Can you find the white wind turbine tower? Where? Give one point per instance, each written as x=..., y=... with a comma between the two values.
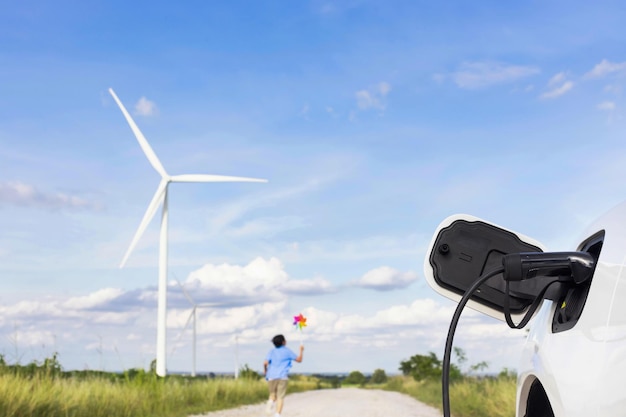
x=160, y=197
x=236, y=356
x=192, y=315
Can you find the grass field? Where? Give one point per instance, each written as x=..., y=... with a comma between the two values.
x=44, y=390
x=469, y=397
x=137, y=394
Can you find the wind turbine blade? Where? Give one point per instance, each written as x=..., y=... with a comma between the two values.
x=147, y=149
x=212, y=178
x=189, y=318
x=186, y=293
x=157, y=199
x=186, y=324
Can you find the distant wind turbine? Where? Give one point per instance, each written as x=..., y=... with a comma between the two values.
x=236, y=356
x=160, y=198
x=192, y=315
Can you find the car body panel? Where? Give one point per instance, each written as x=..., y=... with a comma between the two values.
x=582, y=368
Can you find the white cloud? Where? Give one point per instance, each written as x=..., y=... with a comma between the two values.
x=422, y=323
x=476, y=75
x=365, y=100
x=313, y=286
x=558, y=85
x=259, y=280
x=607, y=106
x=115, y=318
x=373, y=98
x=418, y=317
x=558, y=91
x=145, y=107
x=36, y=338
x=262, y=280
x=494, y=330
x=94, y=299
x=77, y=311
x=21, y=194
x=557, y=79
x=28, y=308
x=613, y=89
x=241, y=318
x=439, y=78
x=420, y=312
x=385, y=278
x=226, y=214
x=384, y=88
x=605, y=67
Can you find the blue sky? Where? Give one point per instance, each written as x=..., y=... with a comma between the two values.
x=373, y=121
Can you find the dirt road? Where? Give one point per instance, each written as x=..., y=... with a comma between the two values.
x=343, y=402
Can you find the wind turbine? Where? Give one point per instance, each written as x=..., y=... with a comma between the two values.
x=192, y=315
x=236, y=356
x=160, y=198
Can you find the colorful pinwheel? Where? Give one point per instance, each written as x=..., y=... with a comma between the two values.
x=299, y=321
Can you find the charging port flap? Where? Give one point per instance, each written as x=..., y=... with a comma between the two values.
x=465, y=247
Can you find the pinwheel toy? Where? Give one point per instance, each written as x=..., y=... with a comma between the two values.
x=299, y=322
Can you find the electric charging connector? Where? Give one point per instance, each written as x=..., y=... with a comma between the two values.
x=576, y=267
x=571, y=268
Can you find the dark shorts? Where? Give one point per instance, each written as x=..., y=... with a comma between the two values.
x=278, y=387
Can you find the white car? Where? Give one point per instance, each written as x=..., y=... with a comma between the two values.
x=573, y=363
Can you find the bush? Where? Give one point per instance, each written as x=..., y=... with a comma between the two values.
x=328, y=381
x=355, y=378
x=379, y=377
x=422, y=367
x=507, y=373
x=429, y=367
x=247, y=373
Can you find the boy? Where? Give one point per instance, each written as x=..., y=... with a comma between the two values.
x=276, y=370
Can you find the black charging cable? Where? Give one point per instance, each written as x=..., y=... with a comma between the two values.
x=574, y=268
x=445, y=377
x=531, y=310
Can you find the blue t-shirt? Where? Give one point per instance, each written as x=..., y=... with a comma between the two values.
x=279, y=362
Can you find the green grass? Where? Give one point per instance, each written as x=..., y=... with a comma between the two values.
x=43, y=389
x=469, y=397
x=40, y=394
x=142, y=394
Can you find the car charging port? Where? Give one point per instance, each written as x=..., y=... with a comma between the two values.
x=562, y=269
x=497, y=269
x=575, y=267
x=571, y=302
